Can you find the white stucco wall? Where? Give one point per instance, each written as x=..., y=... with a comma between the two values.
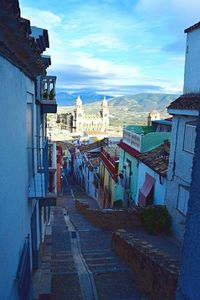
x=89, y=186
x=15, y=209
x=192, y=63
x=159, y=188
x=179, y=173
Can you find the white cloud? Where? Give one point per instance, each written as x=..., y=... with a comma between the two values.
x=107, y=73
x=41, y=18
x=182, y=12
x=100, y=41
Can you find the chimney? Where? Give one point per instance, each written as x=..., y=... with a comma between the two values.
x=149, y=120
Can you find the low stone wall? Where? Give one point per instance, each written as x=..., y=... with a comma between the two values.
x=156, y=271
x=109, y=219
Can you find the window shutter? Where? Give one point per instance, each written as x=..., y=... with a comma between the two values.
x=189, y=138
x=183, y=198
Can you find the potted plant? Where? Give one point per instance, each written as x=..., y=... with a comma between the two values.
x=51, y=95
x=45, y=95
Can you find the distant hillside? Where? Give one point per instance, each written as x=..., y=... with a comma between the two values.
x=67, y=99
x=143, y=102
x=132, y=108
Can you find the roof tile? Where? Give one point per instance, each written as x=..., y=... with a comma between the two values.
x=157, y=159
x=187, y=101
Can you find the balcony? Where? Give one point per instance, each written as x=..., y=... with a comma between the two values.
x=143, y=138
x=39, y=184
x=47, y=94
x=133, y=139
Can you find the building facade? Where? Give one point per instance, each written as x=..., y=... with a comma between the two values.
x=24, y=173
x=109, y=191
x=152, y=176
x=188, y=284
x=185, y=111
x=85, y=122
x=136, y=140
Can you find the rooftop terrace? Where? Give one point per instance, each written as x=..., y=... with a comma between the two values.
x=140, y=129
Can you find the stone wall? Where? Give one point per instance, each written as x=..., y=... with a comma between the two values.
x=156, y=271
x=109, y=219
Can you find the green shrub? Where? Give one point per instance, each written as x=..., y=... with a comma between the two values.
x=156, y=219
x=118, y=204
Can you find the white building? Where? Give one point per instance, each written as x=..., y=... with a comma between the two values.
x=24, y=205
x=152, y=176
x=185, y=111
x=90, y=122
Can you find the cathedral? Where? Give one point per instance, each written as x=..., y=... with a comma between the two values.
x=91, y=122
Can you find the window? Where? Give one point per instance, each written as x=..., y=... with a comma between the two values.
x=183, y=197
x=189, y=137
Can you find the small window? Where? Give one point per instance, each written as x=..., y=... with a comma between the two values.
x=183, y=197
x=189, y=137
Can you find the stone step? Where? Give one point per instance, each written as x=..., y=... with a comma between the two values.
x=98, y=252
x=107, y=269
x=105, y=258
x=105, y=265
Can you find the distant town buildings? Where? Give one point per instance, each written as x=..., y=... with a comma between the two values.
x=87, y=122
x=153, y=116
x=80, y=122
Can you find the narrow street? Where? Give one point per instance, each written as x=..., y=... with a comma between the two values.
x=83, y=265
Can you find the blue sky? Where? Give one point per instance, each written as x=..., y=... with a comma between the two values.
x=115, y=47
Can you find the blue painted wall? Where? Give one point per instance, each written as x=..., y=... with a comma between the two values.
x=15, y=209
x=189, y=280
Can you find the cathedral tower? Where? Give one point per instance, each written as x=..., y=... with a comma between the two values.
x=79, y=112
x=105, y=114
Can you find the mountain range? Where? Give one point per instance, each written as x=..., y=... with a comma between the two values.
x=69, y=98
x=129, y=108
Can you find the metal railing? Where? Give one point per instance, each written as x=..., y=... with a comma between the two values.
x=133, y=139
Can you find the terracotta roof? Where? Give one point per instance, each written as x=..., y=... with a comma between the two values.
x=88, y=147
x=187, y=101
x=93, y=162
x=128, y=149
x=157, y=159
x=71, y=148
x=110, y=162
x=17, y=44
x=193, y=27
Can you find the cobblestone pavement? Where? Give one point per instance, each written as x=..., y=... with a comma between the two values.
x=113, y=280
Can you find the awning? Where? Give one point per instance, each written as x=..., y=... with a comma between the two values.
x=146, y=189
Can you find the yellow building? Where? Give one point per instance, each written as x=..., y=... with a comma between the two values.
x=108, y=190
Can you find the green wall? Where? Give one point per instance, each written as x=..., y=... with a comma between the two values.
x=153, y=140
x=133, y=186
x=148, y=142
